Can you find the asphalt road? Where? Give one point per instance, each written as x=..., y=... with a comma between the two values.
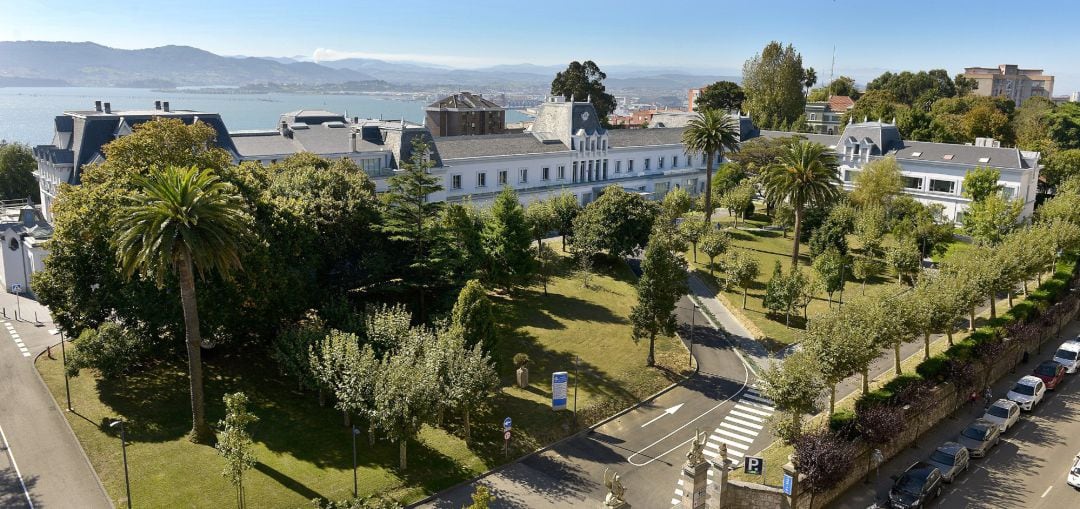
x=52, y=470
x=646, y=445
x=1028, y=468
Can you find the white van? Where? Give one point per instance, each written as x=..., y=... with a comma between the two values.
x=1068, y=354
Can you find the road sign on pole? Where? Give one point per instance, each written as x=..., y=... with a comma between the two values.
x=788, y=481
x=753, y=465
x=559, y=381
x=506, y=435
x=506, y=424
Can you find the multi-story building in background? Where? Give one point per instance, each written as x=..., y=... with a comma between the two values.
x=824, y=116
x=464, y=114
x=691, y=98
x=1008, y=80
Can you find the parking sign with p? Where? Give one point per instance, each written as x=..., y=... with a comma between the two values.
x=753, y=465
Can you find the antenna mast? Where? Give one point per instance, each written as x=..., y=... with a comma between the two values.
x=832, y=69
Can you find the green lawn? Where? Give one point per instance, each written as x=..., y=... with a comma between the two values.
x=304, y=450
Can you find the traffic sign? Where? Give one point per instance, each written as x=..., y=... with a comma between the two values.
x=753, y=465
x=506, y=435
x=788, y=481
x=559, y=381
x=506, y=424
x=16, y=288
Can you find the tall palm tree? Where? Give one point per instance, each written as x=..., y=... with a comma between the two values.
x=804, y=175
x=711, y=133
x=182, y=221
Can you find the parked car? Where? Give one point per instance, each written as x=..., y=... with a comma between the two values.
x=1027, y=392
x=1074, y=473
x=1068, y=354
x=1051, y=373
x=979, y=437
x=951, y=459
x=1004, y=413
x=919, y=484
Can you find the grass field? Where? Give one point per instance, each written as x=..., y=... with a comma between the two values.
x=304, y=450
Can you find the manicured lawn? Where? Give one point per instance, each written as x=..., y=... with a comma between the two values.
x=304, y=450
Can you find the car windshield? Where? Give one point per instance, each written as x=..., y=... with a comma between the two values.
x=999, y=411
x=910, y=484
x=1026, y=390
x=1047, y=370
x=943, y=458
x=1066, y=354
x=975, y=433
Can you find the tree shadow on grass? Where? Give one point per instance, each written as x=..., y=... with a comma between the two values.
x=288, y=482
x=554, y=306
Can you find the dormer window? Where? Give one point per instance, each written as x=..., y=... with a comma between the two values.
x=856, y=152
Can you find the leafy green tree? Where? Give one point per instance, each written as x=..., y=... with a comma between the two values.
x=838, y=349
x=784, y=217
x=292, y=346
x=481, y=498
x=111, y=349
x=714, y=243
x=981, y=182
x=341, y=368
x=1064, y=206
x=720, y=96
x=677, y=203
x=743, y=270
x=919, y=89
x=473, y=318
x=407, y=392
x=566, y=208
x=809, y=79
x=874, y=104
x=990, y=219
x=842, y=86
x=618, y=221
x=235, y=443
x=832, y=234
x=1032, y=124
x=471, y=378
x=662, y=284
x=831, y=267
x=540, y=218
x=506, y=239
x=804, y=176
x=1060, y=165
x=773, y=82
x=728, y=176
x=904, y=258
x=585, y=81
x=546, y=260
x=464, y=227
x=411, y=221
x=692, y=228
x=739, y=199
x=866, y=268
x=17, y=166
x=783, y=291
x=184, y=222
x=870, y=229
x=883, y=317
x=794, y=386
x=1065, y=126
x=711, y=133
x=878, y=182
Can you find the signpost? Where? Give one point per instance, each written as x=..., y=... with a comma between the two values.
x=753, y=465
x=16, y=288
x=559, y=380
x=507, y=423
x=788, y=481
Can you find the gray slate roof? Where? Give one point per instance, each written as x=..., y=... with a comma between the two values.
x=464, y=101
x=460, y=147
x=618, y=138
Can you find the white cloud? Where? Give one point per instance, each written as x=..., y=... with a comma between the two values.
x=327, y=54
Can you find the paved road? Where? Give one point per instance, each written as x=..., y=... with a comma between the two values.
x=52, y=469
x=1028, y=468
x=646, y=445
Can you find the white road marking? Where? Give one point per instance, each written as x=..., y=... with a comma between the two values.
x=737, y=413
x=736, y=436
x=670, y=411
x=745, y=408
x=7, y=447
x=744, y=423
x=762, y=401
x=1048, y=488
x=732, y=443
x=725, y=424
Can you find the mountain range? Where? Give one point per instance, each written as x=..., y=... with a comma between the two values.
x=45, y=63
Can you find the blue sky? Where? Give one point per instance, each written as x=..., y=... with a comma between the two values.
x=704, y=37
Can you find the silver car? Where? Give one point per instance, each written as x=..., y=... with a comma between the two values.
x=979, y=437
x=951, y=459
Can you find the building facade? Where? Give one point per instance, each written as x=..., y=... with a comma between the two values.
x=823, y=117
x=464, y=114
x=1008, y=80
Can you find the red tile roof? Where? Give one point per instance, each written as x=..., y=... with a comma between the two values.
x=840, y=103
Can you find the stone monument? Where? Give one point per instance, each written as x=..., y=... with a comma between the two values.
x=695, y=474
x=616, y=492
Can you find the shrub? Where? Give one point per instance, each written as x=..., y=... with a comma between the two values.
x=842, y=422
x=111, y=349
x=933, y=368
x=824, y=458
x=879, y=424
x=521, y=360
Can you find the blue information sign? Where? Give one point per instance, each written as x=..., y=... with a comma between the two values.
x=506, y=424
x=788, y=481
x=558, y=390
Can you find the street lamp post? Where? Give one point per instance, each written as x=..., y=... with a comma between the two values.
x=354, y=487
x=123, y=447
x=67, y=385
x=577, y=374
x=693, y=318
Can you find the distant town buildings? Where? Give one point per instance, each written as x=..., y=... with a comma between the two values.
x=691, y=98
x=824, y=116
x=1008, y=80
x=464, y=114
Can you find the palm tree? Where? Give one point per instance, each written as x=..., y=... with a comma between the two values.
x=804, y=175
x=183, y=220
x=710, y=133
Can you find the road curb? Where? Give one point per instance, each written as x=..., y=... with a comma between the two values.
x=67, y=425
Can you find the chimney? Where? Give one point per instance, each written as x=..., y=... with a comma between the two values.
x=107, y=107
x=352, y=142
x=157, y=105
x=356, y=120
x=165, y=105
x=284, y=129
x=97, y=105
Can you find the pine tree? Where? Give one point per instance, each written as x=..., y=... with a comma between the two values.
x=506, y=240
x=662, y=284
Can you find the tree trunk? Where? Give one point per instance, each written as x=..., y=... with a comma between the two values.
x=744, y=297
x=402, y=449
x=832, y=400
x=711, y=265
x=468, y=425
x=322, y=397
x=709, y=157
x=948, y=334
x=993, y=305
x=866, y=381
x=1010, y=294
x=564, y=243
x=200, y=432
x=651, y=361
x=797, y=232
x=896, y=357
x=971, y=319
x=926, y=344
x=348, y=421
x=695, y=251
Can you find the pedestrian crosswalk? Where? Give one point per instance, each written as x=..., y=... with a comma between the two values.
x=737, y=431
x=16, y=338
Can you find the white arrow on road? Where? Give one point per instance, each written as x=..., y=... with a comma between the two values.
x=669, y=411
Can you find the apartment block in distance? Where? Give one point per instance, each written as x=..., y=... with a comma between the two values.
x=1008, y=80
x=464, y=114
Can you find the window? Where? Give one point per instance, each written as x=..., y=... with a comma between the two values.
x=573, y=144
x=481, y=179
x=912, y=182
x=545, y=173
x=575, y=172
x=603, y=145
x=455, y=182
x=523, y=175
x=849, y=175
x=647, y=161
x=1008, y=192
x=630, y=166
x=984, y=159
x=592, y=144
x=719, y=158
x=660, y=163
x=674, y=161
x=560, y=172
x=618, y=166
x=605, y=169
x=942, y=186
x=856, y=149
x=502, y=177
x=813, y=116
